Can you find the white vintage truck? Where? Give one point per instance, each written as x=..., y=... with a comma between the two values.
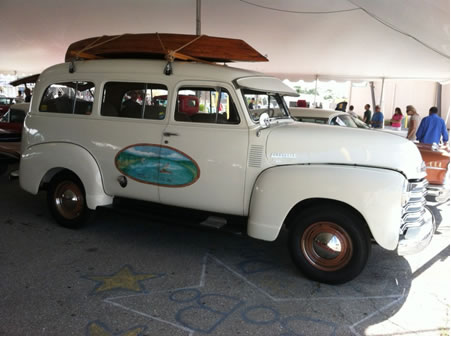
x=221, y=140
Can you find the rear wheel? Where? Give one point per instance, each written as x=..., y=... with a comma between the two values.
x=330, y=246
x=66, y=199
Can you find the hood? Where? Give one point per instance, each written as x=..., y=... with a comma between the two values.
x=307, y=143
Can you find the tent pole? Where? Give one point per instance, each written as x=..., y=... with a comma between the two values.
x=316, y=89
x=350, y=92
x=447, y=115
x=382, y=92
x=373, y=98
x=198, y=18
x=439, y=99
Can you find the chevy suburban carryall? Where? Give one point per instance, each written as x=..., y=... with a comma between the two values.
x=221, y=140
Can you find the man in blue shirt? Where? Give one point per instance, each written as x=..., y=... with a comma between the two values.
x=377, y=121
x=432, y=128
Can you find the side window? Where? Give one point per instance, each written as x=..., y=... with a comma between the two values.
x=69, y=98
x=134, y=100
x=206, y=105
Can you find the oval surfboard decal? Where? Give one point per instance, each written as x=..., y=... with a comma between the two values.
x=157, y=165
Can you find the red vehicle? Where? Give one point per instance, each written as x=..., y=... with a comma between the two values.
x=5, y=103
x=12, y=120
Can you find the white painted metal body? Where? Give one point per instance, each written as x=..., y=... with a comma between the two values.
x=244, y=170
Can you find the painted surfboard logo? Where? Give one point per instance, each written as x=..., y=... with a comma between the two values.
x=158, y=165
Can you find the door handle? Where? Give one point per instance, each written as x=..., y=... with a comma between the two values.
x=169, y=134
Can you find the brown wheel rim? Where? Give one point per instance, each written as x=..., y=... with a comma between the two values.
x=327, y=246
x=69, y=199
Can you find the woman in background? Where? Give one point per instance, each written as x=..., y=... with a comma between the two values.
x=396, y=119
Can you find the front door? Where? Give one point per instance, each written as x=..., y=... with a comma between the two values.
x=204, y=150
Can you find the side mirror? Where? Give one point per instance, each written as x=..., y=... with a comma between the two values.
x=264, y=120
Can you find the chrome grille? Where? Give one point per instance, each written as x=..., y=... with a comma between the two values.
x=413, y=210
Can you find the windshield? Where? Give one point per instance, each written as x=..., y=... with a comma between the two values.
x=348, y=121
x=259, y=102
x=360, y=124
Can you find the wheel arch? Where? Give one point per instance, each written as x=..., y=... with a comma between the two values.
x=305, y=205
x=41, y=162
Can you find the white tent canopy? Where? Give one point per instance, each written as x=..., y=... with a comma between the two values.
x=303, y=39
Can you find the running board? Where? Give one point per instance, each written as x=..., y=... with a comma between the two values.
x=177, y=215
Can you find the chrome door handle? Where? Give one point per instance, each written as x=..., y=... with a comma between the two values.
x=169, y=134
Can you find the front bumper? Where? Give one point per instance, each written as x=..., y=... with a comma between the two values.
x=415, y=239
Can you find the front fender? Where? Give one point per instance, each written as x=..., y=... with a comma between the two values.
x=375, y=193
x=38, y=160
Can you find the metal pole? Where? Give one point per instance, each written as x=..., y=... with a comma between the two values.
x=373, y=98
x=350, y=92
x=316, y=90
x=439, y=99
x=382, y=92
x=198, y=18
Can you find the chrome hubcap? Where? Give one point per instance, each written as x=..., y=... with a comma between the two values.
x=69, y=200
x=327, y=246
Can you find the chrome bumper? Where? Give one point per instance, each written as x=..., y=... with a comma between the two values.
x=416, y=238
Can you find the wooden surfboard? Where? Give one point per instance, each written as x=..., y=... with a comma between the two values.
x=164, y=46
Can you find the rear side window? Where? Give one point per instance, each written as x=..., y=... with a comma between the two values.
x=134, y=100
x=69, y=98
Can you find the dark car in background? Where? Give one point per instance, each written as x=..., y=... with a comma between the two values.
x=11, y=124
x=13, y=119
x=5, y=103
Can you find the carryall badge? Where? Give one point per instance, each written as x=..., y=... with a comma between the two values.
x=278, y=155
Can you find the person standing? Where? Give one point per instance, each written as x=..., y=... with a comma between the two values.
x=367, y=114
x=27, y=95
x=377, y=121
x=432, y=128
x=413, y=122
x=251, y=103
x=352, y=112
x=396, y=119
x=19, y=97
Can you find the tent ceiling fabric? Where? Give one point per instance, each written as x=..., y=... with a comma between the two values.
x=302, y=38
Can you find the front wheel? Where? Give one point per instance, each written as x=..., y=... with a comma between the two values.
x=329, y=245
x=66, y=200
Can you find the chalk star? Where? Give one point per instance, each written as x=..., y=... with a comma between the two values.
x=125, y=279
x=97, y=328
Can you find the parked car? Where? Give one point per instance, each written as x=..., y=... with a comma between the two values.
x=11, y=125
x=325, y=116
x=5, y=103
x=259, y=166
x=9, y=155
x=437, y=158
x=13, y=119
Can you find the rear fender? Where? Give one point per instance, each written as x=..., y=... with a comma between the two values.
x=40, y=162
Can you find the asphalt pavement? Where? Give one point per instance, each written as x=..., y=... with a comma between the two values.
x=128, y=275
